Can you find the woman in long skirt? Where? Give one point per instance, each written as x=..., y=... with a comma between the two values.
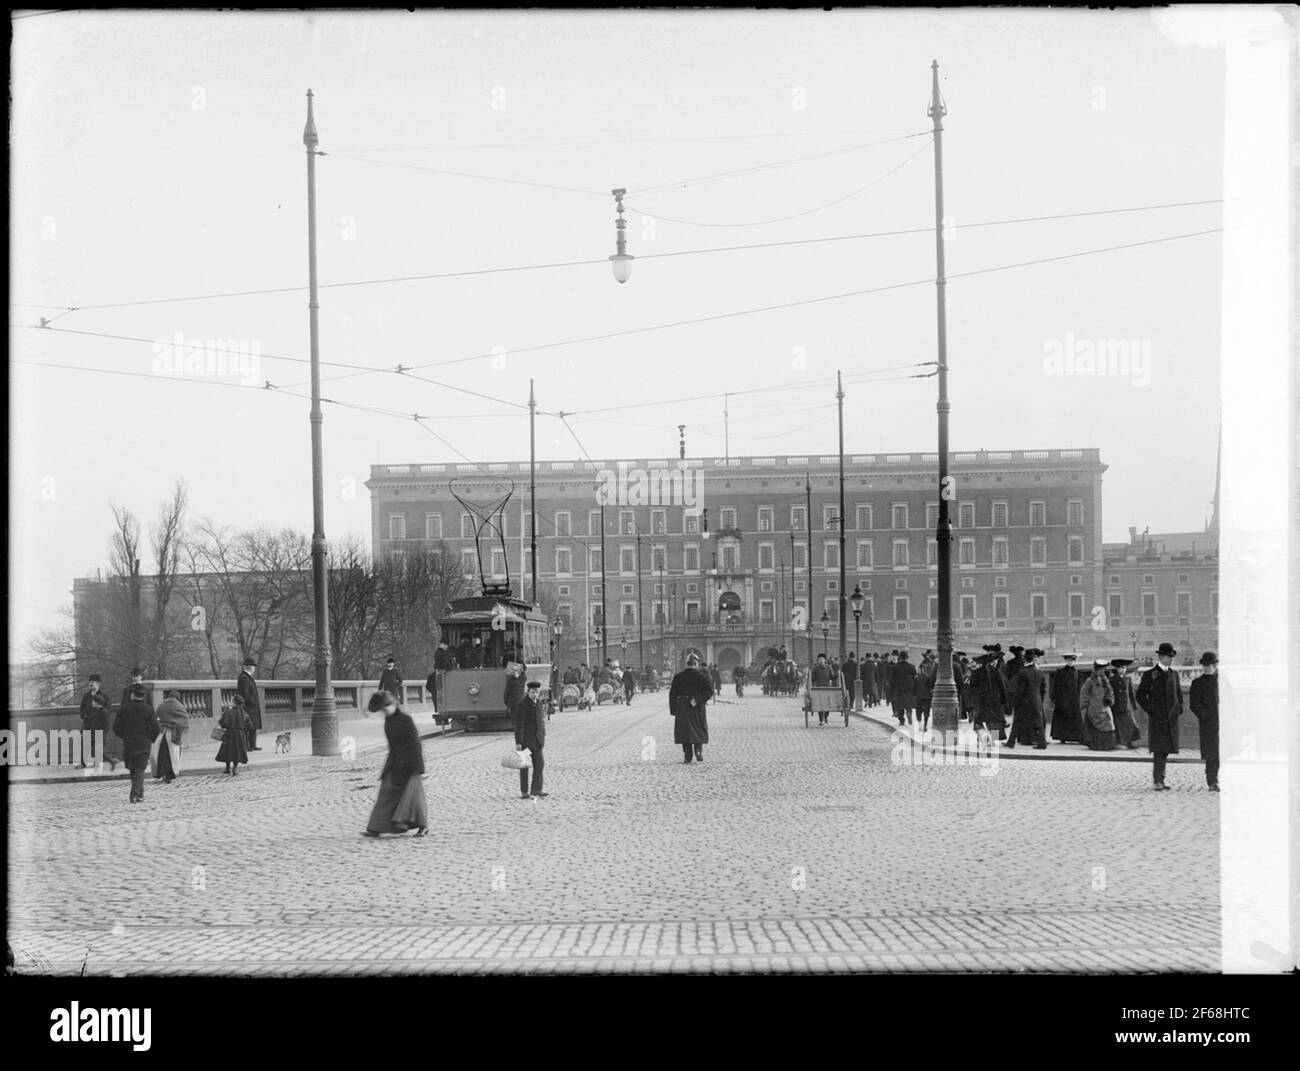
x=234, y=745
x=1097, y=699
x=1126, y=730
x=401, y=805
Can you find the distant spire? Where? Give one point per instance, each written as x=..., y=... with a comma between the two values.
x=309, y=132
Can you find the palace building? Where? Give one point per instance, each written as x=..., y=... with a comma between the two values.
x=720, y=555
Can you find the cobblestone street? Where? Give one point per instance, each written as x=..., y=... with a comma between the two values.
x=788, y=849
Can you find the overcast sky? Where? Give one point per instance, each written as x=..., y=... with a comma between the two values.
x=160, y=156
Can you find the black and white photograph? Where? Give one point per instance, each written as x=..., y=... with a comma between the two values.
x=689, y=492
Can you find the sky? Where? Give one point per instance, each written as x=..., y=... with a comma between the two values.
x=159, y=156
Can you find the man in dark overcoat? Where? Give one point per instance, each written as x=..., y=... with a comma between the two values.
x=137, y=725
x=867, y=676
x=137, y=681
x=688, y=694
x=95, y=712
x=1028, y=689
x=990, y=696
x=390, y=680
x=442, y=661
x=1067, y=720
x=1203, y=698
x=903, y=688
x=1160, y=694
x=530, y=732
x=246, y=689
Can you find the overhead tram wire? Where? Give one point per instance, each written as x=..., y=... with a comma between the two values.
x=470, y=273
x=734, y=314
x=794, y=215
x=629, y=141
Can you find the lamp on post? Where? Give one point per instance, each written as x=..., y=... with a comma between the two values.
x=858, y=600
x=621, y=262
x=826, y=631
x=1135, y=646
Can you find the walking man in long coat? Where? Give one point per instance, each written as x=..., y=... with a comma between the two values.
x=687, y=696
x=137, y=725
x=1067, y=721
x=246, y=688
x=1203, y=698
x=903, y=688
x=1027, y=691
x=1160, y=694
x=95, y=710
x=867, y=675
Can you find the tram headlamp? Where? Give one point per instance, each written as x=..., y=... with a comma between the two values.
x=473, y=688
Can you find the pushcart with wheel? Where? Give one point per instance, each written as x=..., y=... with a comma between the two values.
x=817, y=700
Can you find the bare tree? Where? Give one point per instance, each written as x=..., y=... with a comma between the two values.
x=126, y=586
x=167, y=539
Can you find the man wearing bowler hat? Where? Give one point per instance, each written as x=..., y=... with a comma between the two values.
x=1203, y=698
x=530, y=733
x=1160, y=694
x=688, y=696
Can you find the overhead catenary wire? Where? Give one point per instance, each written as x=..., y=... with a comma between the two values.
x=793, y=215
x=596, y=261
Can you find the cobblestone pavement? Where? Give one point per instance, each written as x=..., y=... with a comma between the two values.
x=788, y=849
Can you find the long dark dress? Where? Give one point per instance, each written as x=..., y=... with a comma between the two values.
x=690, y=723
x=401, y=805
x=1067, y=725
x=234, y=745
x=990, y=696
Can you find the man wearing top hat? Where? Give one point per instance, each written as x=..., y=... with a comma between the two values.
x=1121, y=684
x=246, y=689
x=1028, y=689
x=1160, y=694
x=1067, y=722
x=1203, y=698
x=688, y=695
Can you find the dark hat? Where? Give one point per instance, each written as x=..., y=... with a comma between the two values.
x=902, y=655
x=237, y=701
x=1166, y=649
x=390, y=658
x=1034, y=652
x=993, y=648
x=822, y=655
x=380, y=700
x=1070, y=657
x=1209, y=659
x=533, y=684
x=1120, y=663
x=962, y=654
x=1016, y=650
x=250, y=661
x=96, y=677
x=136, y=671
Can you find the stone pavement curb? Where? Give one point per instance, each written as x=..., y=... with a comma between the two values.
x=267, y=763
x=1053, y=753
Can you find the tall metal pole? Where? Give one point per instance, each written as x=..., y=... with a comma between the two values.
x=324, y=714
x=844, y=598
x=640, y=620
x=943, y=705
x=532, y=477
x=789, y=608
x=807, y=487
x=604, y=621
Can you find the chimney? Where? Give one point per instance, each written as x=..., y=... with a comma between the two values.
x=1132, y=534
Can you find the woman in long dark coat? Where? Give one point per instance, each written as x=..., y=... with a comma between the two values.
x=687, y=696
x=990, y=696
x=234, y=745
x=401, y=805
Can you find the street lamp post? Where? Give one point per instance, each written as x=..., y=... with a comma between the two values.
x=826, y=631
x=944, y=697
x=858, y=600
x=1135, y=646
x=324, y=713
